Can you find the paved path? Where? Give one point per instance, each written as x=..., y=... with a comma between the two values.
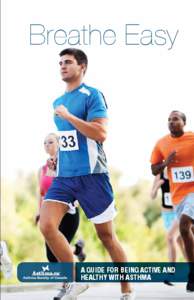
x=151, y=291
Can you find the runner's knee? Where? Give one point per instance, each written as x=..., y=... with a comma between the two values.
x=185, y=225
x=47, y=228
x=107, y=238
x=170, y=238
x=179, y=239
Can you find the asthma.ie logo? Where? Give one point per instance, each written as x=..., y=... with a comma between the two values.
x=44, y=272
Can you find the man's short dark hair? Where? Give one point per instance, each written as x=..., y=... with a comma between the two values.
x=78, y=54
x=182, y=115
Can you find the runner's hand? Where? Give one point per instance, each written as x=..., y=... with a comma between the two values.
x=37, y=218
x=62, y=111
x=170, y=158
x=52, y=163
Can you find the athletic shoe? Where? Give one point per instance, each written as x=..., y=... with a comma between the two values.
x=77, y=289
x=71, y=291
x=167, y=282
x=190, y=287
x=63, y=291
x=190, y=283
x=128, y=296
x=79, y=250
x=6, y=263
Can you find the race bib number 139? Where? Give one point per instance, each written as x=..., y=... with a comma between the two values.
x=182, y=174
x=68, y=140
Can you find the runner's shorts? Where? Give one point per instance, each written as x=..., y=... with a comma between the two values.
x=93, y=191
x=186, y=207
x=169, y=218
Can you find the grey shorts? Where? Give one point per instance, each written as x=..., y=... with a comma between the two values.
x=186, y=207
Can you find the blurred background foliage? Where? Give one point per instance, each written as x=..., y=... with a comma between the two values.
x=138, y=223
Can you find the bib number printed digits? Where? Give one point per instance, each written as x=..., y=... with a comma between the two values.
x=182, y=174
x=68, y=140
x=167, y=199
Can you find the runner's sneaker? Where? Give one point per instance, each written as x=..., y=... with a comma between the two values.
x=190, y=287
x=6, y=263
x=71, y=291
x=190, y=283
x=65, y=290
x=77, y=289
x=79, y=250
x=168, y=283
x=128, y=296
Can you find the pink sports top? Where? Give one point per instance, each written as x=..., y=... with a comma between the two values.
x=45, y=181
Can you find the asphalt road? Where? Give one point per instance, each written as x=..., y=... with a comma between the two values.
x=144, y=291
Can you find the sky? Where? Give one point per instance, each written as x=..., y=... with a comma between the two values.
x=140, y=57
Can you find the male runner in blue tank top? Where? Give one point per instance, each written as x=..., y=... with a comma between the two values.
x=81, y=118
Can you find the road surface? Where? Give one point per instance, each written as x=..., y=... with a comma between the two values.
x=144, y=291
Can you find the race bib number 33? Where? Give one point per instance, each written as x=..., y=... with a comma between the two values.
x=182, y=174
x=68, y=140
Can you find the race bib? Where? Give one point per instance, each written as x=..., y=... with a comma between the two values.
x=68, y=140
x=167, y=199
x=182, y=174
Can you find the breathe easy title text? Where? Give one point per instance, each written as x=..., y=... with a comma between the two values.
x=131, y=34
